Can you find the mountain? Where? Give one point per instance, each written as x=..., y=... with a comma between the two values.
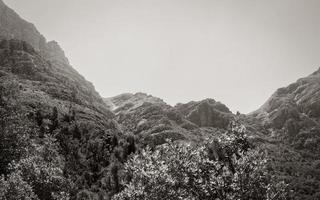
x=290, y=119
x=153, y=121
x=293, y=109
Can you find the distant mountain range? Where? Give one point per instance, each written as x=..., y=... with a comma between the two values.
x=36, y=80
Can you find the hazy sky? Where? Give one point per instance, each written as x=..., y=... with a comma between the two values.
x=235, y=51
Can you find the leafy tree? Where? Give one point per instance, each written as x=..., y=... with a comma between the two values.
x=225, y=168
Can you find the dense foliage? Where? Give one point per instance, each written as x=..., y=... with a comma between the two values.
x=225, y=168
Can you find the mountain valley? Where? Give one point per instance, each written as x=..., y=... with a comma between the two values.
x=60, y=139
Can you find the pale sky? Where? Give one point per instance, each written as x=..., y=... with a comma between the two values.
x=235, y=51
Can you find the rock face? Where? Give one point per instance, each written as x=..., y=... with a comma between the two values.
x=206, y=113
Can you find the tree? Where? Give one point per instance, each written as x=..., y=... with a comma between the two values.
x=42, y=170
x=186, y=171
x=14, y=187
x=54, y=119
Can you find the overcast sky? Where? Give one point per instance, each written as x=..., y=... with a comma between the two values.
x=235, y=51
